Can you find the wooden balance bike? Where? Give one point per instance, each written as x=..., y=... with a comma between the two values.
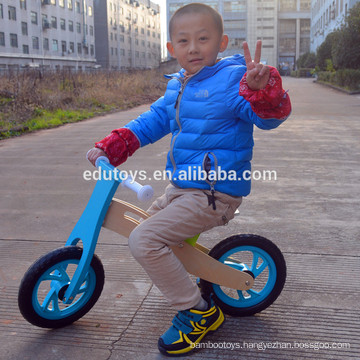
x=244, y=273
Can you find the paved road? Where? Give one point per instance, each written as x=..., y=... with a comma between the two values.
x=311, y=211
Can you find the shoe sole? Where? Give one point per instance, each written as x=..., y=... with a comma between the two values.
x=189, y=349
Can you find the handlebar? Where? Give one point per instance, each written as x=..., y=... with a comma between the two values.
x=144, y=192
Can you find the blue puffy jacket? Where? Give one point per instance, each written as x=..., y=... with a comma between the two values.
x=211, y=126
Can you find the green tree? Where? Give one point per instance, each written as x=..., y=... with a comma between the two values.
x=324, y=51
x=346, y=49
x=307, y=60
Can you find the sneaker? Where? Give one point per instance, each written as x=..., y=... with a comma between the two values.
x=188, y=328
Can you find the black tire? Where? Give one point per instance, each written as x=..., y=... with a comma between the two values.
x=61, y=315
x=231, y=301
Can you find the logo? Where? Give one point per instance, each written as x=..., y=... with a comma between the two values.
x=202, y=94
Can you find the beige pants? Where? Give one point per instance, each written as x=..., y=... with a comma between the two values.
x=177, y=215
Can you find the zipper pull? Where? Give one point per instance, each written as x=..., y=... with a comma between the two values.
x=213, y=197
x=177, y=99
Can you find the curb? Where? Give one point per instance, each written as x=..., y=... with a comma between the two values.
x=337, y=88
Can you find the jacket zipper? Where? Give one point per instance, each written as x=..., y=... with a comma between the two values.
x=177, y=118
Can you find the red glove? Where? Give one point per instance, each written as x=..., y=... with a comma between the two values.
x=272, y=102
x=120, y=144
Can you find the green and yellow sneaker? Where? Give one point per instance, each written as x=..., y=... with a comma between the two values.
x=188, y=328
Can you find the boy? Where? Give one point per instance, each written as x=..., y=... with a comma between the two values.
x=211, y=126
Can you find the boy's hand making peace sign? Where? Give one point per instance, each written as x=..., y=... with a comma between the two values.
x=258, y=74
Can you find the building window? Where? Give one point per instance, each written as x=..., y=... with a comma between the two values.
x=12, y=13
x=305, y=26
x=23, y=6
x=63, y=47
x=13, y=40
x=79, y=48
x=53, y=2
x=35, y=42
x=235, y=24
x=235, y=6
x=77, y=7
x=304, y=45
x=305, y=4
x=55, y=46
x=54, y=22
x=70, y=4
x=24, y=28
x=287, y=45
x=25, y=49
x=92, y=51
x=2, y=39
x=287, y=27
x=78, y=28
x=1, y=11
x=92, y=30
x=90, y=11
x=71, y=25
x=34, y=17
x=62, y=3
x=71, y=47
x=62, y=24
x=46, y=44
x=288, y=5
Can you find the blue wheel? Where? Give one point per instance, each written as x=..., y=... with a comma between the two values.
x=43, y=287
x=257, y=256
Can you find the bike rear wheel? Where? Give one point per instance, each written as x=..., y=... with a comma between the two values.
x=257, y=256
x=44, y=284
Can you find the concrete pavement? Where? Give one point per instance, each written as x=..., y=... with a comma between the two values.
x=311, y=212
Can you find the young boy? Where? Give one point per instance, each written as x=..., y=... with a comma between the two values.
x=211, y=125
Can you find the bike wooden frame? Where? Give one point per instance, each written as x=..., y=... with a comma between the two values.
x=194, y=257
x=103, y=210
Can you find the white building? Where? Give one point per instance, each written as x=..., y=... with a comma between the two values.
x=282, y=25
x=127, y=34
x=47, y=33
x=327, y=16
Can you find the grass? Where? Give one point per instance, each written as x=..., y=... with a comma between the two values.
x=34, y=100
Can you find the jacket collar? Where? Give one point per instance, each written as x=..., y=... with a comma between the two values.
x=208, y=71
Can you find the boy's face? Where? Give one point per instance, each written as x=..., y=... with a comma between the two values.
x=196, y=41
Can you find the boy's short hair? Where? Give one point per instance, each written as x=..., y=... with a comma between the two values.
x=200, y=9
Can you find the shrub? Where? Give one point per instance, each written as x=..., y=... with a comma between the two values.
x=346, y=78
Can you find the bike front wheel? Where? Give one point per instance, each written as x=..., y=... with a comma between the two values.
x=257, y=256
x=44, y=284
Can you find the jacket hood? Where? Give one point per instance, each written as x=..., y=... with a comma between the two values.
x=207, y=71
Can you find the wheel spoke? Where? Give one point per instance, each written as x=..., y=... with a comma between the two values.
x=241, y=295
x=254, y=262
x=261, y=268
x=59, y=274
x=83, y=288
x=50, y=298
